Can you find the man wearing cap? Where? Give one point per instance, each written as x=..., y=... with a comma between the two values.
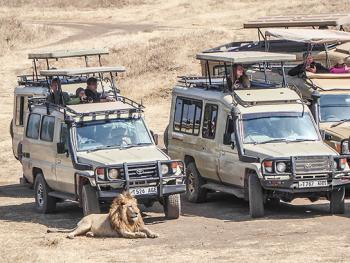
x=309, y=65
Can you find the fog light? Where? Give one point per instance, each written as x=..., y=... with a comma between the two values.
x=113, y=173
x=281, y=167
x=165, y=169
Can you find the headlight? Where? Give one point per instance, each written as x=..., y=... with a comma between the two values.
x=165, y=169
x=281, y=167
x=100, y=172
x=114, y=173
x=345, y=147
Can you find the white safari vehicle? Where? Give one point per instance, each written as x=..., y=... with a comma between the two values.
x=91, y=152
x=260, y=144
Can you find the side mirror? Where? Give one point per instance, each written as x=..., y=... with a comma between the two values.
x=61, y=148
x=327, y=137
x=155, y=137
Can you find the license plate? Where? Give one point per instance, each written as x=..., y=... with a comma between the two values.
x=316, y=183
x=143, y=190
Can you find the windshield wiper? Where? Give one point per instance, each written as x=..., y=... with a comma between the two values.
x=340, y=122
x=104, y=147
x=303, y=140
x=273, y=140
x=134, y=145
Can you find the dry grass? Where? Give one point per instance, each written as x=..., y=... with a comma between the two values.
x=14, y=33
x=68, y=3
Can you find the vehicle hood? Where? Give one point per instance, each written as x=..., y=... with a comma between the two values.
x=342, y=131
x=120, y=156
x=283, y=149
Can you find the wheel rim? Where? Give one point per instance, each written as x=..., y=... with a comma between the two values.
x=40, y=195
x=190, y=184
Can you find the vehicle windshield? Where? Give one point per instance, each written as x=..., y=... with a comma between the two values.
x=120, y=133
x=278, y=127
x=334, y=107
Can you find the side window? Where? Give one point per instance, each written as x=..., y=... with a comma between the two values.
x=47, y=128
x=229, y=131
x=33, y=126
x=187, y=118
x=209, y=121
x=64, y=135
x=19, y=110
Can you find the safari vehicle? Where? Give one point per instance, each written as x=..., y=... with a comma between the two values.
x=322, y=52
x=260, y=144
x=90, y=153
x=34, y=85
x=329, y=96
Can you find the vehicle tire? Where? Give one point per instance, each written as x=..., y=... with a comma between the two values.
x=172, y=206
x=166, y=137
x=194, y=191
x=337, y=201
x=89, y=200
x=256, y=197
x=43, y=202
x=11, y=128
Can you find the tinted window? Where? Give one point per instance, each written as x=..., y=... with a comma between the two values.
x=33, y=126
x=47, y=128
x=187, y=117
x=209, y=121
x=19, y=110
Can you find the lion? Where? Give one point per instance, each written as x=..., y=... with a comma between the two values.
x=123, y=220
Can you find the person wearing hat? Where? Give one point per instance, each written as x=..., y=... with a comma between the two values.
x=340, y=67
x=308, y=65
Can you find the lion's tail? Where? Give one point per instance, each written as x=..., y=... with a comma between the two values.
x=51, y=230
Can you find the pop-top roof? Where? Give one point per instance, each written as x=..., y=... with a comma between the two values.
x=252, y=96
x=246, y=57
x=329, y=81
x=313, y=36
x=68, y=53
x=80, y=71
x=299, y=21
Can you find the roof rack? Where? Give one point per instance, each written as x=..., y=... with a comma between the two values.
x=68, y=53
x=318, y=20
x=69, y=110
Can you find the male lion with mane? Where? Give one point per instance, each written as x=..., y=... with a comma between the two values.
x=124, y=220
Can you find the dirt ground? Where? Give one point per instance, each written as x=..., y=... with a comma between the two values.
x=156, y=41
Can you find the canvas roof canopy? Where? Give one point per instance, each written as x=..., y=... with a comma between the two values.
x=68, y=53
x=246, y=57
x=311, y=36
x=299, y=21
x=80, y=71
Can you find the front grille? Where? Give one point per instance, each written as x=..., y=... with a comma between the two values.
x=312, y=164
x=146, y=170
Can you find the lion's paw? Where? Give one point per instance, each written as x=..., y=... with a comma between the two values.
x=153, y=235
x=140, y=235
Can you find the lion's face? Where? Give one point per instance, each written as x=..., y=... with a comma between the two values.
x=132, y=211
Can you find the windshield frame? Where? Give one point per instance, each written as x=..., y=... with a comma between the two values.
x=329, y=106
x=74, y=133
x=260, y=115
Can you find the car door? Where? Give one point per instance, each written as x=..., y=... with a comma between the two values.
x=65, y=171
x=207, y=157
x=230, y=169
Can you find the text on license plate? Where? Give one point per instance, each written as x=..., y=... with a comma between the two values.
x=143, y=190
x=315, y=183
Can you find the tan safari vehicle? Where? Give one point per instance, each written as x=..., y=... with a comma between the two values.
x=91, y=152
x=260, y=144
x=329, y=95
x=33, y=85
x=268, y=32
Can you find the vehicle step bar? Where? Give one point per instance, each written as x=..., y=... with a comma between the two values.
x=225, y=189
x=63, y=196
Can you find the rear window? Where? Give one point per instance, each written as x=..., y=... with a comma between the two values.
x=33, y=126
x=47, y=128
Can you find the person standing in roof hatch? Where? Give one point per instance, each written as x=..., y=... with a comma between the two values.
x=309, y=65
x=92, y=94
